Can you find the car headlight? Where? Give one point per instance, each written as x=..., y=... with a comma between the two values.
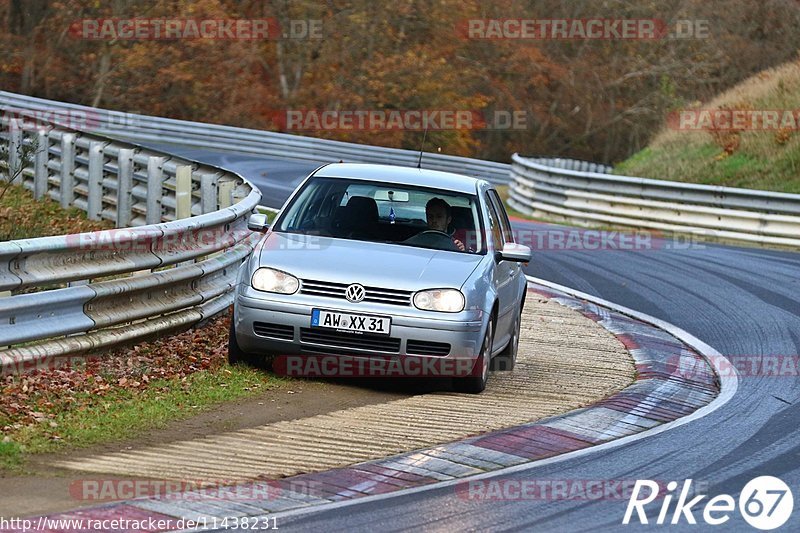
x=444, y=300
x=271, y=280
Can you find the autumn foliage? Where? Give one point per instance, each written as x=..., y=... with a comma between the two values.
x=161, y=365
x=597, y=100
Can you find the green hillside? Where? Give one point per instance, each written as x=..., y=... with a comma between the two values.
x=757, y=156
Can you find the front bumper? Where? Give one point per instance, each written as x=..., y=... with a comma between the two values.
x=463, y=331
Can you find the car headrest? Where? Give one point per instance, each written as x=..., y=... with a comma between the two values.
x=364, y=208
x=461, y=218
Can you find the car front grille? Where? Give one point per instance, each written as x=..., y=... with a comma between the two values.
x=274, y=331
x=414, y=347
x=337, y=290
x=375, y=343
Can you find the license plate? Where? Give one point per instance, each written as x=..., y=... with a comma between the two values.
x=379, y=325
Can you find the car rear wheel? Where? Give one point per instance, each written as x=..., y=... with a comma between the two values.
x=476, y=384
x=505, y=360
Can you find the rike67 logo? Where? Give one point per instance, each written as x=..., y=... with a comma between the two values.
x=765, y=503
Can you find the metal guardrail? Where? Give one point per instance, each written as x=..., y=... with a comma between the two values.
x=182, y=229
x=215, y=137
x=172, y=262
x=571, y=164
x=562, y=189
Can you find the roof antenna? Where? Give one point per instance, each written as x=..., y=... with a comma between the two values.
x=421, y=148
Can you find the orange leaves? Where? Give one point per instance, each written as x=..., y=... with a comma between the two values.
x=595, y=99
x=21, y=217
x=38, y=397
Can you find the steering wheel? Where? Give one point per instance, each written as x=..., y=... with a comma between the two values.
x=434, y=239
x=434, y=232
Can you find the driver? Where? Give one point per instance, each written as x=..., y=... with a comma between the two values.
x=437, y=211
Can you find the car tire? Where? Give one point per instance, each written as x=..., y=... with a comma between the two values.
x=235, y=353
x=507, y=359
x=476, y=384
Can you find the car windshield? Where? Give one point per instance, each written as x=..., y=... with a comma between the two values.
x=386, y=213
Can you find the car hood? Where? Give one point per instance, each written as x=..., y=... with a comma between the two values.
x=372, y=264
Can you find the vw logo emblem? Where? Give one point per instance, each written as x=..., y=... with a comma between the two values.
x=355, y=292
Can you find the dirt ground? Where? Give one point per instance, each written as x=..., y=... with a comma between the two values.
x=566, y=361
x=46, y=489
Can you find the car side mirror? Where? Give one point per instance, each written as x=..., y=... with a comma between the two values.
x=258, y=222
x=515, y=252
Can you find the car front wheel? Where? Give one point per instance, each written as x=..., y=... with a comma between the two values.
x=476, y=384
x=235, y=353
x=505, y=360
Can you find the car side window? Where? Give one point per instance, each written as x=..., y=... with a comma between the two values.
x=505, y=224
x=494, y=225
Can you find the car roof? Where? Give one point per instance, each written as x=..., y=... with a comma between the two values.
x=401, y=175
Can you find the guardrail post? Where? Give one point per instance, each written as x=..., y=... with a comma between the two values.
x=208, y=192
x=225, y=193
x=40, y=171
x=67, y=170
x=183, y=192
x=4, y=294
x=14, y=142
x=124, y=186
x=155, y=188
x=96, y=161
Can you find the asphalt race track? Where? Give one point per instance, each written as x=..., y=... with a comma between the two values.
x=745, y=302
x=276, y=179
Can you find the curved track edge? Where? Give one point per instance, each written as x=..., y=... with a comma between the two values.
x=679, y=380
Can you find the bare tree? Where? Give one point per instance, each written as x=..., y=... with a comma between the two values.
x=23, y=19
x=25, y=153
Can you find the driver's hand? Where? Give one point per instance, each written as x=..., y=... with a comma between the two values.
x=459, y=245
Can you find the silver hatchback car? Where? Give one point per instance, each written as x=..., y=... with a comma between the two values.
x=377, y=261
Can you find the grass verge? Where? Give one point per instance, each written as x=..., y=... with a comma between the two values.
x=115, y=395
x=22, y=217
x=122, y=393
x=754, y=156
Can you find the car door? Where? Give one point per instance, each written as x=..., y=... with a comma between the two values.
x=508, y=237
x=504, y=271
